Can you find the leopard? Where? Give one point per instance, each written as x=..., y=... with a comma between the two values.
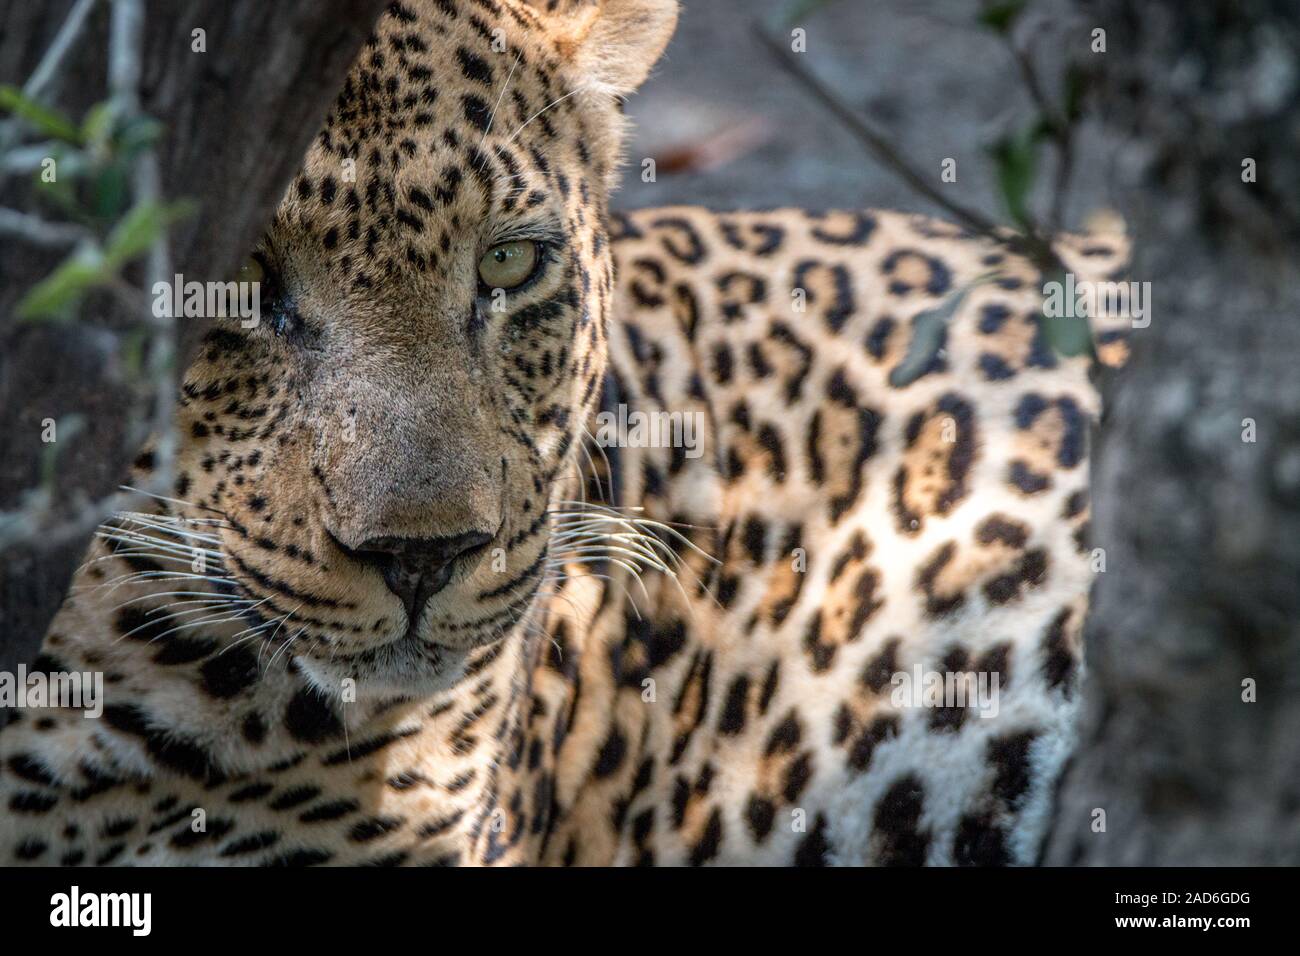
x=416, y=594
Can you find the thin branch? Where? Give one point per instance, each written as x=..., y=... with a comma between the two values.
x=30, y=522
x=1028, y=244
x=40, y=232
x=58, y=51
x=1064, y=171
x=24, y=160
x=876, y=143
x=126, y=51
x=125, y=47
x=1025, y=65
x=38, y=84
x=1058, y=127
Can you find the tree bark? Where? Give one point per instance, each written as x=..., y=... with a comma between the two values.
x=1196, y=486
x=238, y=119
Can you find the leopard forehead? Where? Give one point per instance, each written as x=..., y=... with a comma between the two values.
x=453, y=130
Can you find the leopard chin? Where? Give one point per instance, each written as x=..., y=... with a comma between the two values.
x=408, y=668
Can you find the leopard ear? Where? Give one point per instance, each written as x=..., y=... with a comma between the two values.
x=614, y=43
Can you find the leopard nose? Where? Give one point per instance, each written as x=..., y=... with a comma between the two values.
x=415, y=569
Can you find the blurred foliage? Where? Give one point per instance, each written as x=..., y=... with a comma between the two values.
x=1068, y=334
x=929, y=332
x=799, y=10
x=92, y=168
x=1017, y=161
x=68, y=427
x=1015, y=157
x=43, y=119
x=1002, y=15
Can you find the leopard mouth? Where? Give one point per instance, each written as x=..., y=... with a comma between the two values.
x=406, y=666
x=419, y=650
x=417, y=633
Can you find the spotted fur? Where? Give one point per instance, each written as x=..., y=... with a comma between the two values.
x=705, y=680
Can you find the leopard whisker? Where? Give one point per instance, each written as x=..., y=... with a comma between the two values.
x=174, y=615
x=159, y=545
x=606, y=549
x=172, y=526
x=177, y=501
x=553, y=103
x=560, y=577
x=586, y=511
x=230, y=598
x=216, y=619
x=271, y=637
x=505, y=87
x=629, y=568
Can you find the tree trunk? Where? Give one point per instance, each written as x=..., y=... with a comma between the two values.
x=238, y=118
x=1191, y=739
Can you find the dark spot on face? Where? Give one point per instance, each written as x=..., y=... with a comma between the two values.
x=474, y=67
x=311, y=718
x=136, y=623
x=1010, y=755
x=230, y=673
x=477, y=111
x=253, y=729
x=332, y=810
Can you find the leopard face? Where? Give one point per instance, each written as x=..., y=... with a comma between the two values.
x=378, y=453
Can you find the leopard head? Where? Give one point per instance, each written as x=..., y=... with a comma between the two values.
x=383, y=444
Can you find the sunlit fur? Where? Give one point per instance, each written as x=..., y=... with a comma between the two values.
x=656, y=659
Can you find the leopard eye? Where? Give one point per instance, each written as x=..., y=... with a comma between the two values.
x=251, y=271
x=272, y=311
x=508, y=265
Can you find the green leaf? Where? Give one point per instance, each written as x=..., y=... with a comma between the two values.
x=108, y=192
x=1068, y=335
x=132, y=352
x=55, y=296
x=49, y=122
x=136, y=135
x=928, y=329
x=800, y=10
x=62, y=192
x=1016, y=159
x=1002, y=15
x=97, y=126
x=139, y=228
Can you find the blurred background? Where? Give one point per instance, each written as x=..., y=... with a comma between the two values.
x=730, y=130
